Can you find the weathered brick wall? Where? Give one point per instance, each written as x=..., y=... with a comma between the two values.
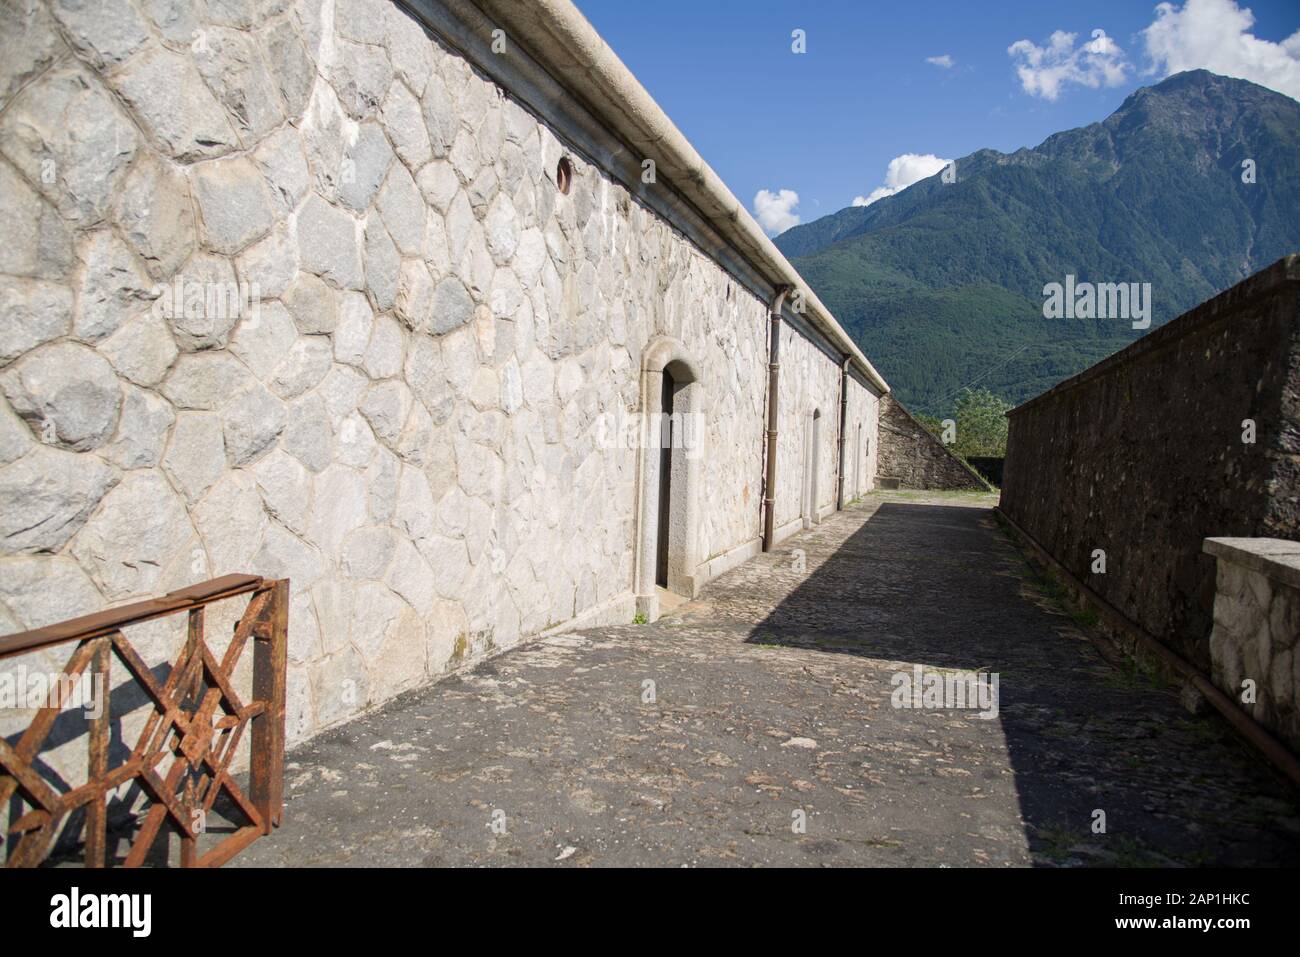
x=909, y=453
x=1143, y=456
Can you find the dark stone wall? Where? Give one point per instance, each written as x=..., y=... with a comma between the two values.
x=909, y=453
x=1142, y=455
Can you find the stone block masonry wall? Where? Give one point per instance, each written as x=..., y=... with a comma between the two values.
x=913, y=456
x=289, y=288
x=1149, y=452
x=862, y=445
x=1254, y=656
x=810, y=383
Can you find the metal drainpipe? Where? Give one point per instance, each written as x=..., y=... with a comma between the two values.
x=773, y=411
x=844, y=419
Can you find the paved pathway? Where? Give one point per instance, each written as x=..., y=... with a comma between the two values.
x=772, y=703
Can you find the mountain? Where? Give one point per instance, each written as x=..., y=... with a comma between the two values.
x=942, y=284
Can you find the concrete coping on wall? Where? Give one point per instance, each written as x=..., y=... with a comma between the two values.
x=1277, y=558
x=1226, y=305
x=559, y=38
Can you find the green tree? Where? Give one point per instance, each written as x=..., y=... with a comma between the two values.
x=981, y=424
x=932, y=424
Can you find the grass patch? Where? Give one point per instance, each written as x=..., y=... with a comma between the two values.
x=1084, y=617
x=909, y=495
x=1202, y=730
x=1049, y=586
x=1057, y=841
x=1129, y=853
x=1129, y=674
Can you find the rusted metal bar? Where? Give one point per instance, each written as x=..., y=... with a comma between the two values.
x=97, y=763
x=270, y=654
x=106, y=622
x=30, y=742
x=185, y=750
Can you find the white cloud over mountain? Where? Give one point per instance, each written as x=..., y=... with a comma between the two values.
x=902, y=172
x=775, y=212
x=1215, y=35
x=1044, y=70
x=1201, y=34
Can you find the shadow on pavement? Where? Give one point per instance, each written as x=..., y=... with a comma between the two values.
x=940, y=586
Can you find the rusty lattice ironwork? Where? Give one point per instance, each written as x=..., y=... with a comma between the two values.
x=183, y=757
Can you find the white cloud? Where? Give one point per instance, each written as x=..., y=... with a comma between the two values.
x=775, y=211
x=903, y=171
x=944, y=61
x=1214, y=35
x=1045, y=70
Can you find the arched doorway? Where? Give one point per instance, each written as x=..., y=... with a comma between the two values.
x=673, y=433
x=667, y=436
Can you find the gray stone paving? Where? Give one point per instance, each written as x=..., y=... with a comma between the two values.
x=772, y=696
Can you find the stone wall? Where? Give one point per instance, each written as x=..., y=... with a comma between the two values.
x=1254, y=656
x=913, y=457
x=291, y=289
x=1191, y=432
x=810, y=386
x=862, y=445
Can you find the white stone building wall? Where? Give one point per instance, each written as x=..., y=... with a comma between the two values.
x=863, y=434
x=412, y=421
x=810, y=381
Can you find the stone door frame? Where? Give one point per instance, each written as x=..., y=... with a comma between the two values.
x=665, y=355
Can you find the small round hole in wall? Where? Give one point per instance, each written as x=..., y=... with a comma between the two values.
x=564, y=175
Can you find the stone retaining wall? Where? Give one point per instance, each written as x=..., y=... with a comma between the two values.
x=913, y=457
x=1191, y=432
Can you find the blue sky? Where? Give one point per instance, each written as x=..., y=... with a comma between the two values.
x=825, y=124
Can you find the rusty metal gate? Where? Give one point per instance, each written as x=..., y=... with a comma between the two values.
x=196, y=724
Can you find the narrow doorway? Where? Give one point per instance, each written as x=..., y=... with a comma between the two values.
x=668, y=523
x=665, y=479
x=814, y=466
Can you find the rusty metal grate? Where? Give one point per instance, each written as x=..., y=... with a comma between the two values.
x=197, y=723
